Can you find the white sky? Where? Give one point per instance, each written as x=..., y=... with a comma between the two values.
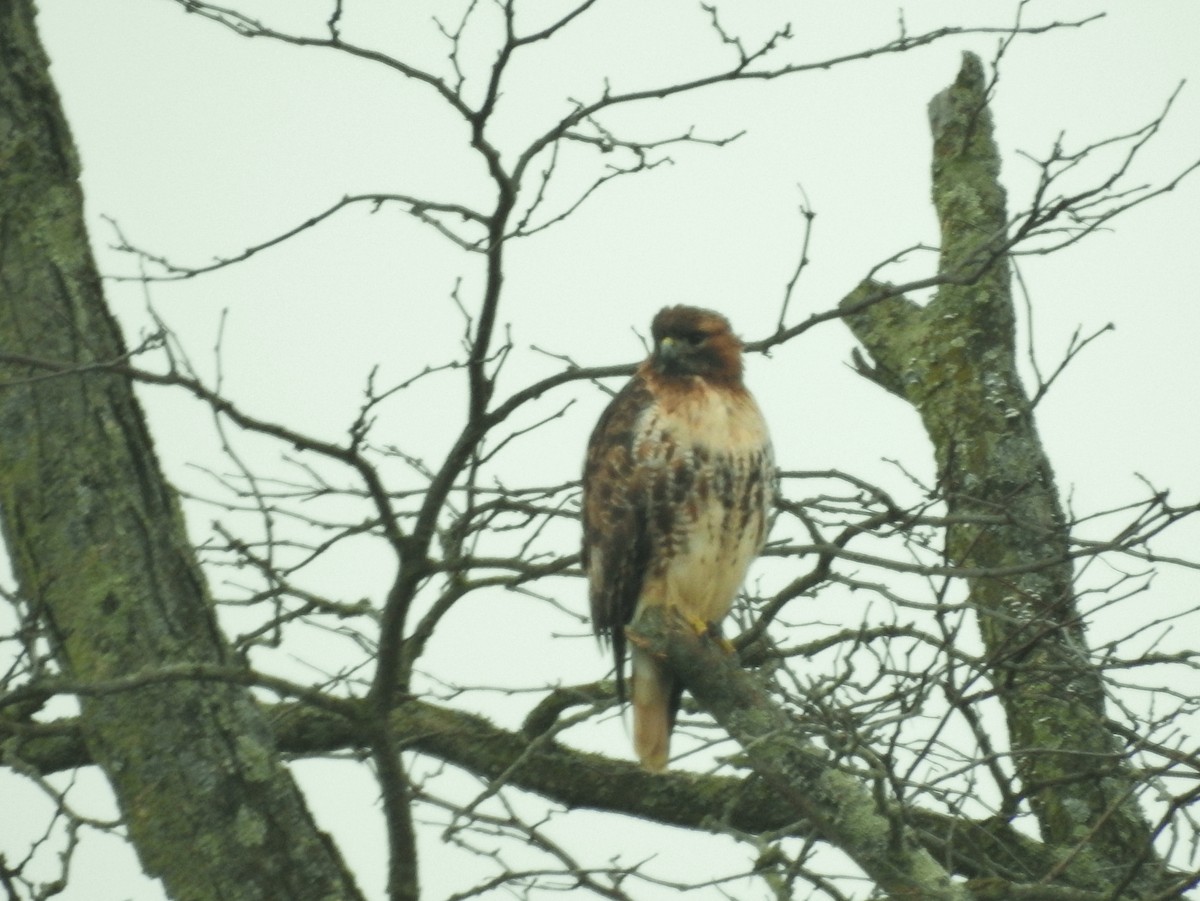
x=200, y=143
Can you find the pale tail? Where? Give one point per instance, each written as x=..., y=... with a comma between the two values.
x=651, y=697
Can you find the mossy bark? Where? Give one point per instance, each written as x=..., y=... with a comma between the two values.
x=99, y=549
x=988, y=849
x=954, y=360
x=839, y=808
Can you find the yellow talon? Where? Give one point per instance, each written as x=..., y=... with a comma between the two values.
x=704, y=628
x=723, y=643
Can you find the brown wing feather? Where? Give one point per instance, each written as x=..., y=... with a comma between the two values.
x=616, y=545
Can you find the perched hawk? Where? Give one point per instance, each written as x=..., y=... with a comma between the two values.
x=676, y=488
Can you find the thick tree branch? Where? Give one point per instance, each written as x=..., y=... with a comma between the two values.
x=841, y=810
x=955, y=361
x=576, y=779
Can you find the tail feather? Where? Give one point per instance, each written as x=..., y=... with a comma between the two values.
x=655, y=699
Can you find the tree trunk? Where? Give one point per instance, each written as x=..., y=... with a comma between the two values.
x=99, y=548
x=955, y=361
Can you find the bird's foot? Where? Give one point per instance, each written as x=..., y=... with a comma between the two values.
x=704, y=629
x=714, y=632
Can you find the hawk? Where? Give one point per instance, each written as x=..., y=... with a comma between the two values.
x=676, y=488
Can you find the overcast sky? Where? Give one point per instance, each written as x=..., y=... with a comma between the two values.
x=200, y=143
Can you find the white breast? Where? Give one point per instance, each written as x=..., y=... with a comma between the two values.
x=712, y=472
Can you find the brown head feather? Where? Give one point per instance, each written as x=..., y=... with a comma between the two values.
x=690, y=341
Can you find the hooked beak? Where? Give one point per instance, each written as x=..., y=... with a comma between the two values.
x=668, y=350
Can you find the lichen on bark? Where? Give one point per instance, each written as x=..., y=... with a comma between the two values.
x=838, y=807
x=99, y=548
x=954, y=360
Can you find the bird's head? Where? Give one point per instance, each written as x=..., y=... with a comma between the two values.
x=689, y=341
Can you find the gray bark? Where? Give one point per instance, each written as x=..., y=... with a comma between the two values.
x=954, y=360
x=838, y=807
x=99, y=548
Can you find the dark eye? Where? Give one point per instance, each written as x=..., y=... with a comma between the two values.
x=694, y=338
